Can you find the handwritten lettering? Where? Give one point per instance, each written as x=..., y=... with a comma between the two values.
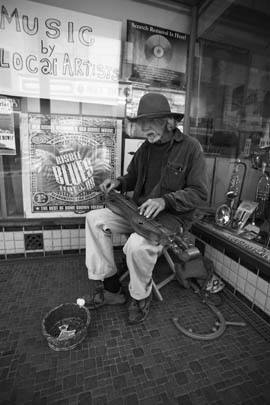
x=53, y=25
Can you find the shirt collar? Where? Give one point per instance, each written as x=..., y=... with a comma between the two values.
x=178, y=136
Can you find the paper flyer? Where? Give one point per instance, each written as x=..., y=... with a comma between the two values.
x=158, y=55
x=7, y=132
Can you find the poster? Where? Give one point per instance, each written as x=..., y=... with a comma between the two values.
x=52, y=53
x=7, y=132
x=158, y=55
x=69, y=156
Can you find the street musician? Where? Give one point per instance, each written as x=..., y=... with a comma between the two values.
x=168, y=178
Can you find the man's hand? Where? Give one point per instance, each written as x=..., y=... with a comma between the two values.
x=108, y=185
x=152, y=207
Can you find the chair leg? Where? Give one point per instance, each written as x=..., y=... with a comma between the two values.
x=156, y=291
x=123, y=276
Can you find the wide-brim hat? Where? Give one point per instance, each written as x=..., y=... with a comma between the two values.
x=155, y=105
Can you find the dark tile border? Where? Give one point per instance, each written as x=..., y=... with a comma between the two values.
x=70, y=251
x=53, y=253
x=15, y=256
x=34, y=254
x=12, y=229
x=51, y=227
x=33, y=228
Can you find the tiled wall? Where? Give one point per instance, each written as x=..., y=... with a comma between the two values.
x=44, y=241
x=248, y=283
x=60, y=240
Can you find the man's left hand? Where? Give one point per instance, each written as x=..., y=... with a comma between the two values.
x=152, y=207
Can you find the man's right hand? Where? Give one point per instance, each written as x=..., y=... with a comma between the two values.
x=108, y=185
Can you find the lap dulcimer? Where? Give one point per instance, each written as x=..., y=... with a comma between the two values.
x=189, y=262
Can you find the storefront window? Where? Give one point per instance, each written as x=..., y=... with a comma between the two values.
x=230, y=110
x=60, y=126
x=66, y=84
x=230, y=101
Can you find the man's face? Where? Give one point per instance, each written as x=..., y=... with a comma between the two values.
x=152, y=128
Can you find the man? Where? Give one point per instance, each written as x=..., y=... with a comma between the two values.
x=168, y=178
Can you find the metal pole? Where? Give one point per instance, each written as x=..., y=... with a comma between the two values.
x=192, y=40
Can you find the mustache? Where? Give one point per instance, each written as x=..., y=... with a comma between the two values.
x=149, y=132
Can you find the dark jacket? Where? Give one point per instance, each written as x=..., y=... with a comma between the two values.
x=183, y=183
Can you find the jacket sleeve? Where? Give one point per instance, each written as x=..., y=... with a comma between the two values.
x=128, y=181
x=196, y=189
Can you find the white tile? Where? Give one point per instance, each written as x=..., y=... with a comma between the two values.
x=227, y=261
x=218, y=267
x=123, y=239
x=235, y=266
x=19, y=250
x=267, y=306
x=219, y=257
x=116, y=239
x=240, y=284
x=48, y=244
x=57, y=243
x=242, y=272
x=82, y=232
x=82, y=243
x=260, y=299
x=214, y=253
x=225, y=273
x=66, y=243
x=252, y=278
x=19, y=244
x=75, y=244
x=18, y=236
x=9, y=236
x=10, y=245
x=74, y=233
x=56, y=234
x=232, y=278
x=47, y=234
x=65, y=233
x=262, y=285
x=250, y=291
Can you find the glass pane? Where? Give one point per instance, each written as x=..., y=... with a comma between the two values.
x=230, y=111
x=13, y=177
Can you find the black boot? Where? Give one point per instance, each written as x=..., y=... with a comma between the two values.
x=103, y=297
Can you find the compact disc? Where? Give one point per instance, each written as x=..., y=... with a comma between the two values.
x=158, y=50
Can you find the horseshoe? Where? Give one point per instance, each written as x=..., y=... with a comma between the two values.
x=208, y=336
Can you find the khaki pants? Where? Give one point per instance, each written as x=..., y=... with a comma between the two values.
x=141, y=254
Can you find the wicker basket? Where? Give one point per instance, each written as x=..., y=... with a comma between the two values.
x=65, y=326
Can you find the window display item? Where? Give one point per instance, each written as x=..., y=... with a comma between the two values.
x=243, y=212
x=225, y=212
x=262, y=195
